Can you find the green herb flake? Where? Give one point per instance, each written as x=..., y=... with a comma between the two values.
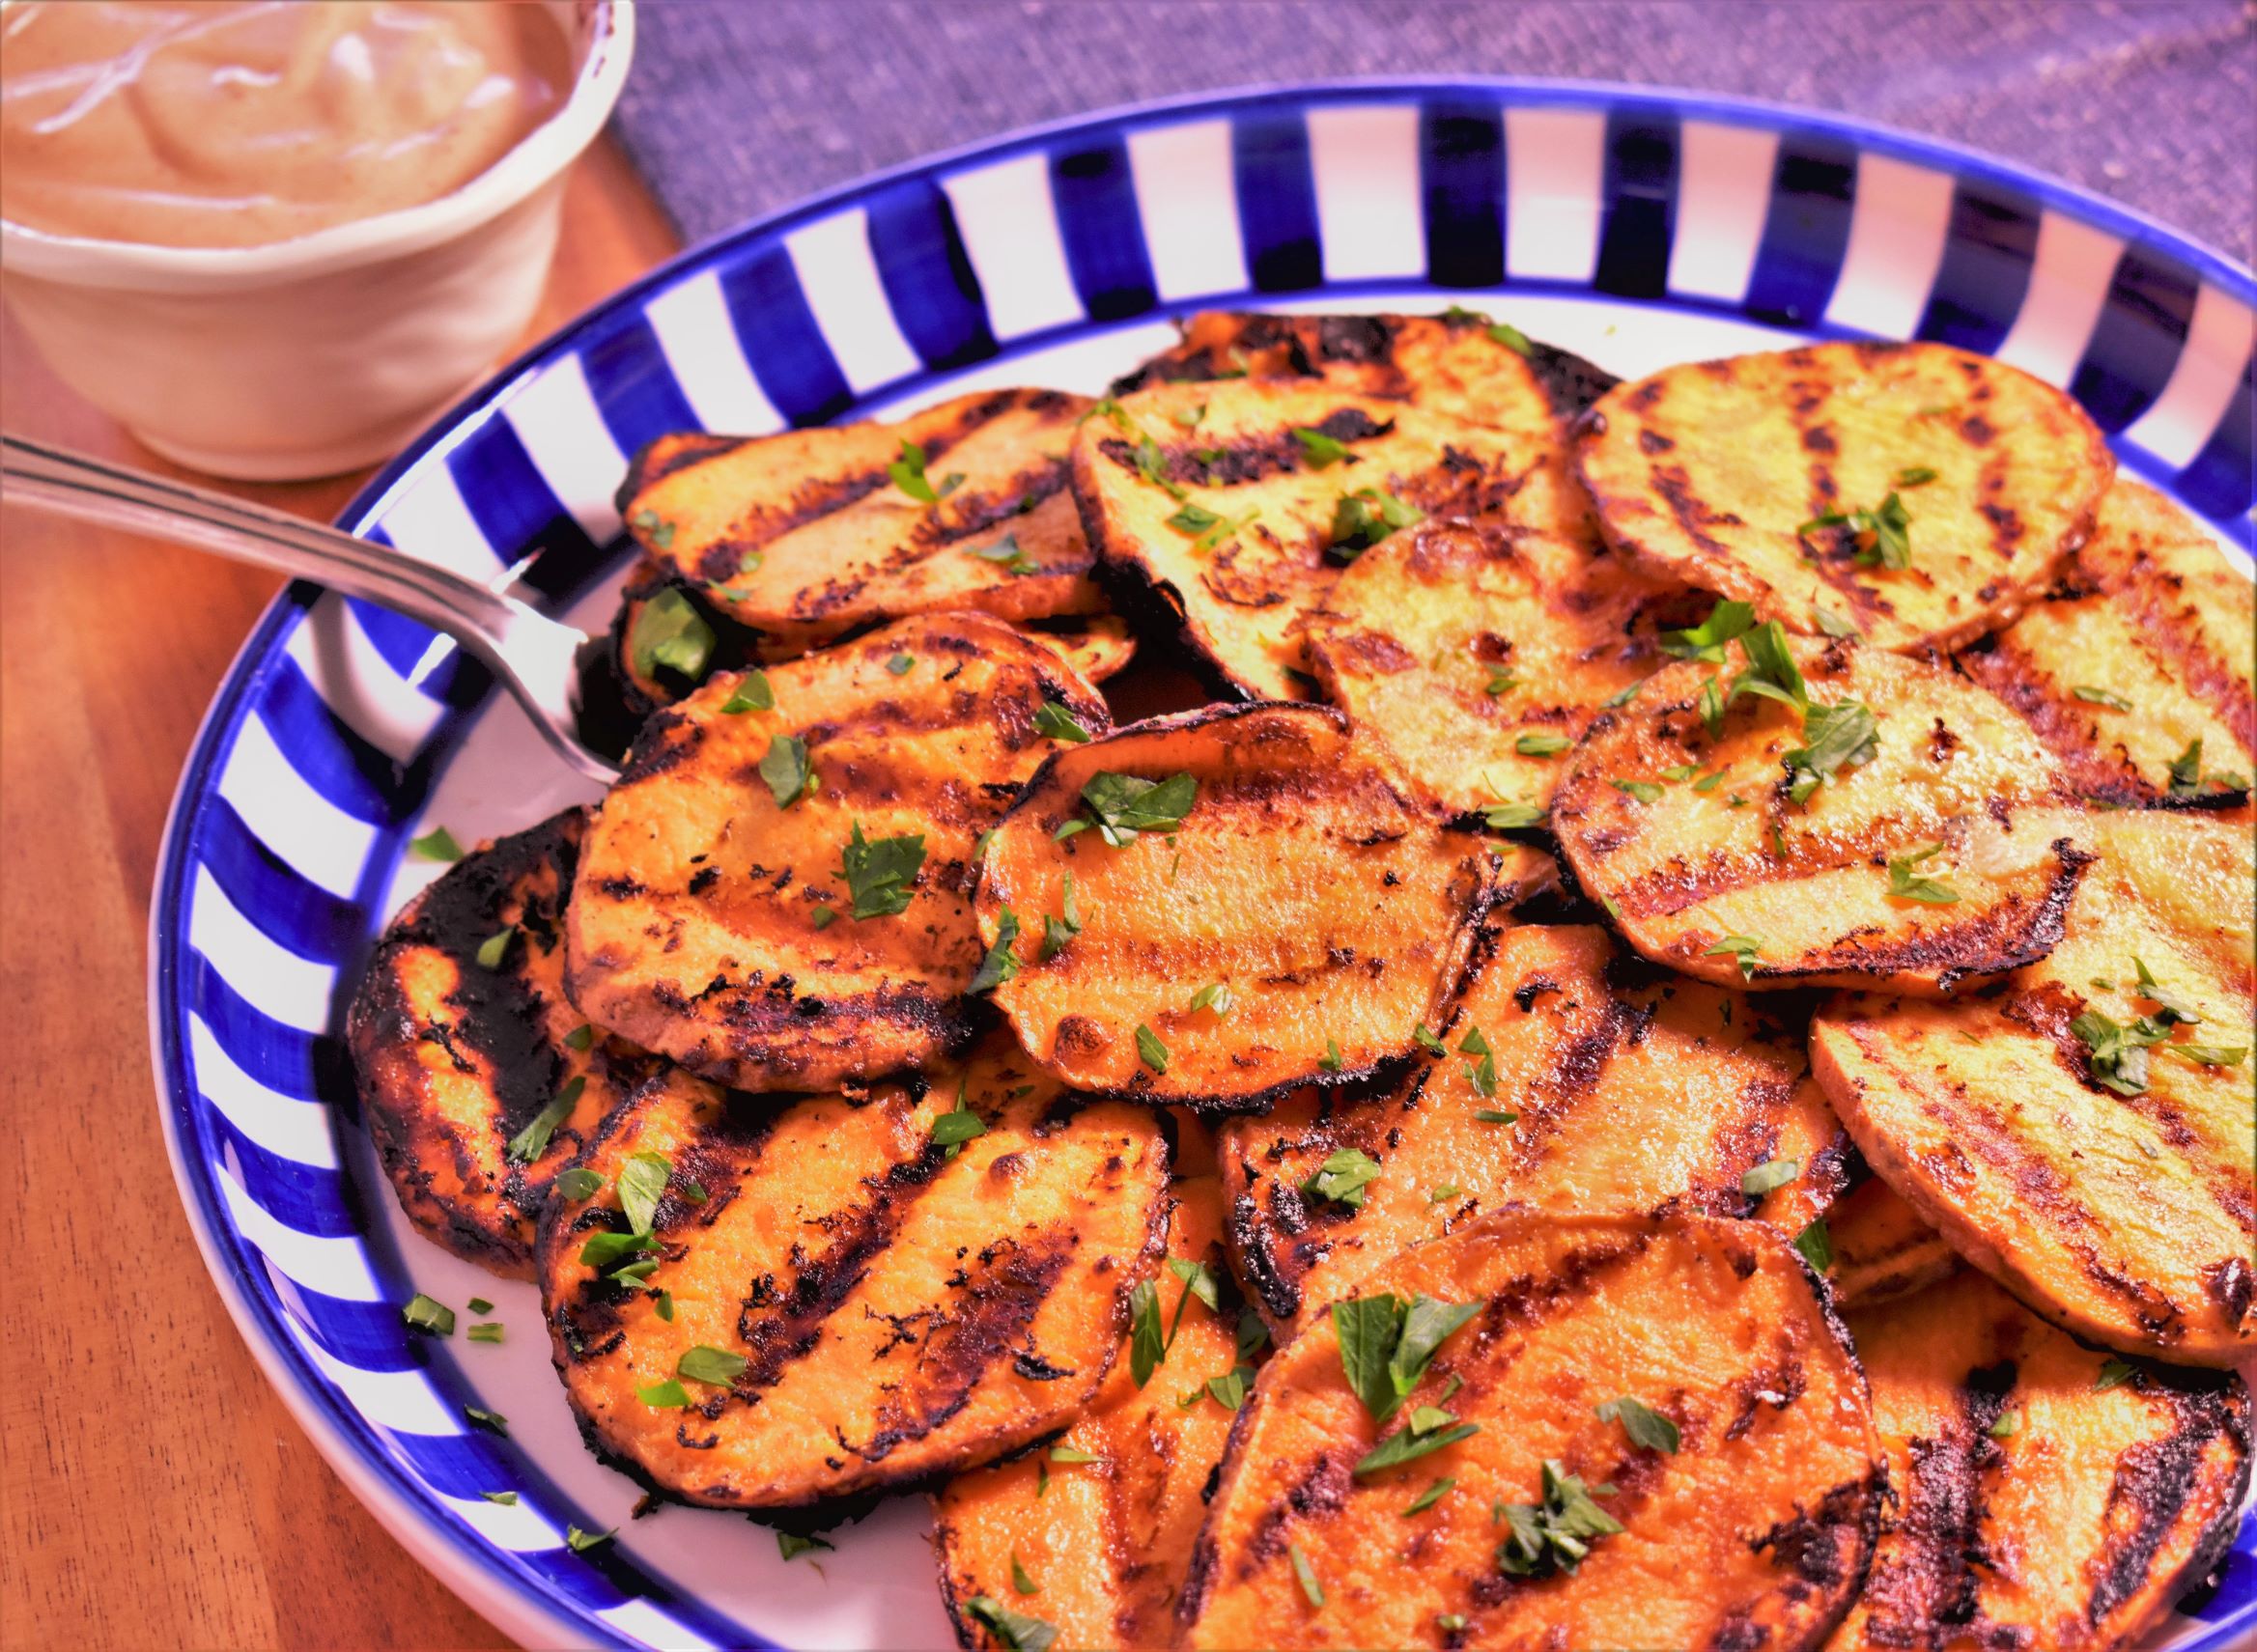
x=1432, y=1495
x=1052, y=721
x=1494, y=1115
x=1020, y=1580
x=822, y=918
x=901, y=664
x=507, y=1499
x=1001, y=963
x=2117, y=1054
x=666, y=1395
x=1481, y=1072
x=1771, y=1174
x=436, y=844
x=642, y=1184
x=1642, y=791
x=1836, y=737
x=1833, y=624
x=880, y=873
x=671, y=633
x=1311, y=1588
x=1319, y=449
x=602, y=1250
x=784, y=767
x=1557, y=1533
x=1726, y=621
x=492, y=1421
x=1006, y=553
x=654, y=528
x=1013, y=1630
x=2209, y=1054
x=1365, y=518
x=425, y=1314
x=1193, y=519
x=1148, y=1341
x=1071, y=1454
x=753, y=693
x=1215, y=995
x=1124, y=806
x=958, y=1126
x=1426, y=1041
x=488, y=1330
x=2092, y=696
x=1622, y=697
x=1882, y=536
x=791, y=1545
x=1149, y=1050
x=1743, y=947
x=2186, y=771
x=1057, y=932
x=530, y=1142
x=908, y=475
x=495, y=947
x=1152, y=466
x=1411, y=1441
x=1330, y=1060
x=580, y=1542
x=1512, y=816
x=1906, y=883
x=1448, y=1190
x=2008, y=1425
x=1227, y=528
x=1541, y=745
x=1646, y=1427
x=2114, y=1374
x=1915, y=476
x=707, y=1365
x=1342, y=1177
x=1816, y=1244
x=664, y=1304
x=1510, y=337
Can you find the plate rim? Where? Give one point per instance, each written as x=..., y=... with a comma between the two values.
x=481, y=1575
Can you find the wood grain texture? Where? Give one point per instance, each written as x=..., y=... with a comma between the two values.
x=210, y=1520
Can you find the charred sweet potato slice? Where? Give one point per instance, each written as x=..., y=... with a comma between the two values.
x=878, y=1296
x=458, y=1057
x=1883, y=1249
x=1915, y=857
x=810, y=535
x=1753, y=1532
x=2043, y=1499
x=2135, y=669
x=1456, y=641
x=738, y=907
x=1263, y=852
x=1101, y=1524
x=1606, y=1088
x=1734, y=475
x=2103, y=1178
x=1237, y=503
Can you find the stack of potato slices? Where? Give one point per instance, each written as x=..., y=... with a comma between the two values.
x=1700, y=1095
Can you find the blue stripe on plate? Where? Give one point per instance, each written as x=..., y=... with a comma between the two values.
x=282, y=903
x=512, y=504
x=633, y=388
x=306, y=1197
x=282, y=1059
x=1461, y=166
x=366, y=1335
x=1096, y=199
x=927, y=274
x=1988, y=254
x=1806, y=234
x=464, y=1465
x=457, y=681
x=2221, y=480
x=329, y=754
x=1277, y=199
x=2135, y=344
x=782, y=342
x=1640, y=226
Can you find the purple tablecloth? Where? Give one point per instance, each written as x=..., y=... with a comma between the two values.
x=739, y=106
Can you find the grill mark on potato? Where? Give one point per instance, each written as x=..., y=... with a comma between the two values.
x=2150, y=1487
x=1933, y=1579
x=814, y=498
x=1249, y=458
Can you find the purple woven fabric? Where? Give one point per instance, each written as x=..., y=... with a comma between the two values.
x=739, y=106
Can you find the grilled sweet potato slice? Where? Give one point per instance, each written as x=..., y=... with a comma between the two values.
x=2137, y=656
x=1239, y=502
x=806, y=536
x=1883, y=1250
x=1460, y=363
x=1718, y=472
x=1103, y=1531
x=2106, y=1182
x=719, y=926
x=458, y=1058
x=1457, y=640
x=1696, y=843
x=881, y=1298
x=1754, y=1531
x=2041, y=1500
x=1633, y=1093
x=1331, y=912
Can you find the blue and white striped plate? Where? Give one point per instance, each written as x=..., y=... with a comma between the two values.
x=1636, y=228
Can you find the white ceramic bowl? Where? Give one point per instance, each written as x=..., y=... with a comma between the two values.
x=326, y=353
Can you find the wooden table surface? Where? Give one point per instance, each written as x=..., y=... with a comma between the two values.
x=154, y=1490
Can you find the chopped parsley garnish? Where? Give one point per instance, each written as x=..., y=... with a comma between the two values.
x=1226, y=528
x=1054, y=722
x=1500, y=680
x=670, y=632
x=488, y=1330
x=1311, y=1588
x=1816, y=1244
x=1841, y=736
x=1071, y=1454
x=1006, y=553
x=1541, y=745
x=581, y=1037
x=1771, y=1173
x=1215, y=995
x=1448, y=1190
x=1743, y=947
x=1681, y=773
x=1342, y=1177
x=1644, y=790
x=791, y=1545
x=1725, y=621
x=1365, y=518
x=1622, y=697
x=1330, y=1060
x=2092, y=696
x=1001, y=963
x=1481, y=1071
x=908, y=475
x=1646, y=1426
x=1833, y=624
x=663, y=1396
x=492, y=1421
x=1319, y=449
x=1149, y=1050
x=901, y=664
x=1020, y=1580
x=715, y=1365
x=1557, y=1533
x=1057, y=931
x=642, y=1184
x=1189, y=417
x=2117, y=1055
x=1883, y=536
x=495, y=947
x=653, y=527
x=1709, y=782
x=1386, y=1344
x=880, y=873
x=1494, y=1115
x=507, y=1499
x=436, y=844
x=1122, y=805
x=1915, y=476
x=479, y=1305
x=1512, y=816
x=602, y=1250
x=1427, y=1042
x=1906, y=883
x=2008, y=1425
x=1510, y=337
x=753, y=693
x=1152, y=466
x=1014, y=1631
x=958, y=1126
x=1193, y=519
x=1771, y=669
x=664, y=1304
x=784, y=767
x=580, y=1542
x=2114, y=1374
x=822, y=918
x=530, y=1142
x=425, y=1314
x=2187, y=779
x=1428, y=1429
x=1432, y=1495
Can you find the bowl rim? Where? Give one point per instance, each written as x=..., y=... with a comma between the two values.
x=534, y=162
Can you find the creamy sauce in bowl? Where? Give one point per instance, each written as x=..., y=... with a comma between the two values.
x=242, y=123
